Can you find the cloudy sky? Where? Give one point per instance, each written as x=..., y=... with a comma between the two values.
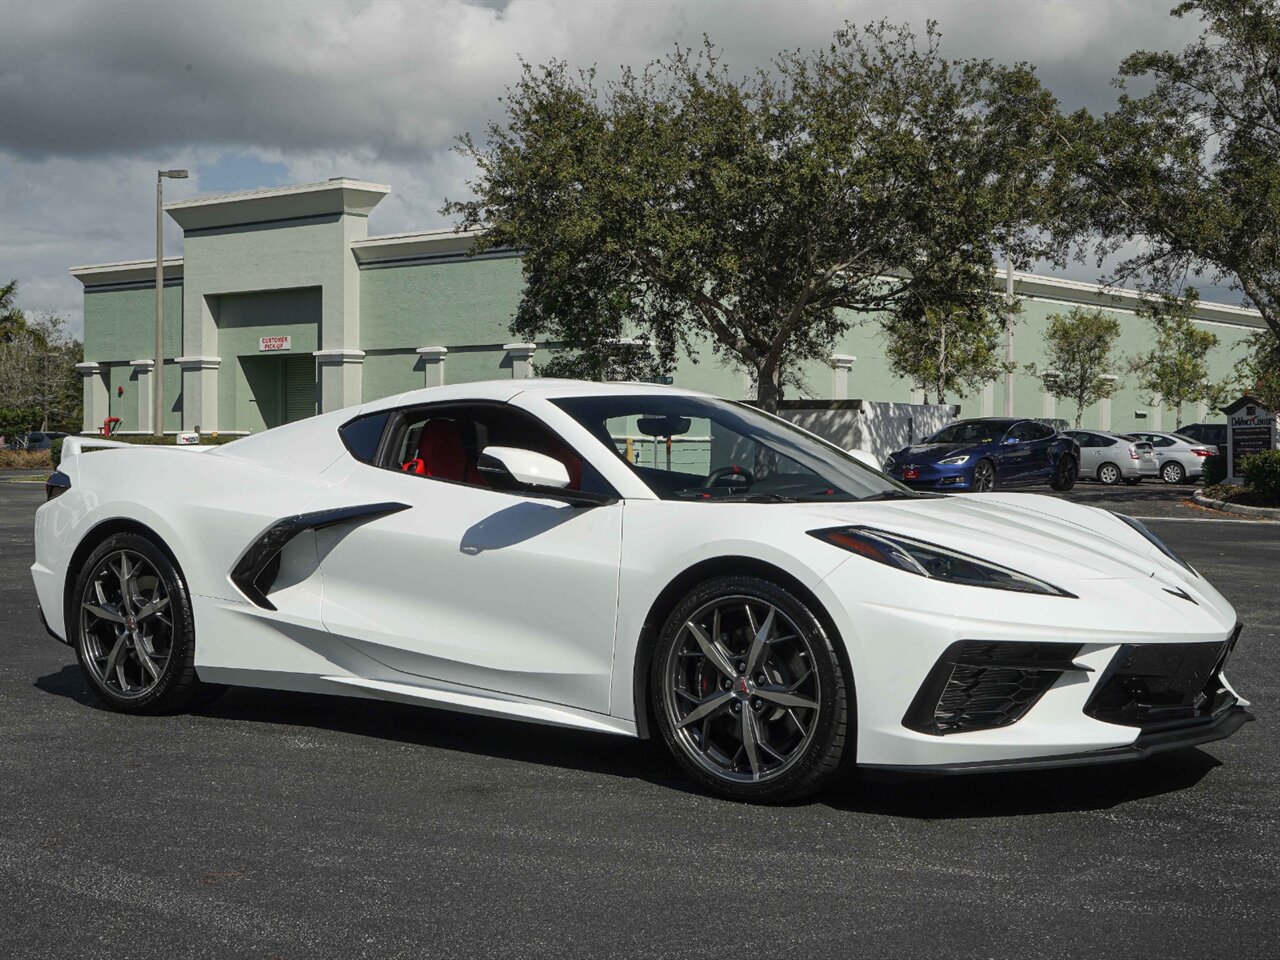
x=96, y=94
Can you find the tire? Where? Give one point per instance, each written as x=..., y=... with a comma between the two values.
x=1173, y=472
x=116, y=638
x=1064, y=475
x=1109, y=474
x=1132, y=481
x=709, y=702
x=984, y=476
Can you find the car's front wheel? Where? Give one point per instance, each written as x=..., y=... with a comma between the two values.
x=749, y=693
x=1173, y=472
x=131, y=624
x=984, y=476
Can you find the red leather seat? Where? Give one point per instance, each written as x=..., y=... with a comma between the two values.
x=442, y=452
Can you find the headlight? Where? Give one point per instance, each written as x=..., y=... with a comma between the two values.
x=1155, y=541
x=934, y=562
x=963, y=458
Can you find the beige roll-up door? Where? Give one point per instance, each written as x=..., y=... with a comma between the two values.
x=299, y=388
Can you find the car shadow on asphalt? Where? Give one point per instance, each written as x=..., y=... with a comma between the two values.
x=928, y=798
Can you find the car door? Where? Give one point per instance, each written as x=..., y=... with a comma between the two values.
x=1013, y=456
x=1092, y=448
x=472, y=585
x=1040, y=458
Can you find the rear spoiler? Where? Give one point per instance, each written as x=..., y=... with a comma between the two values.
x=71, y=446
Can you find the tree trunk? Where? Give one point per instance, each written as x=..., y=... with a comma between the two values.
x=769, y=389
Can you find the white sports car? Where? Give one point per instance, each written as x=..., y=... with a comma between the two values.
x=637, y=560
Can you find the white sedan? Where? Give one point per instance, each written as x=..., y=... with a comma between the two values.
x=633, y=560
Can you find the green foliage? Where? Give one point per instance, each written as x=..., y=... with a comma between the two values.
x=37, y=365
x=1258, y=373
x=16, y=420
x=1215, y=469
x=1078, y=349
x=1262, y=473
x=1177, y=367
x=12, y=320
x=689, y=207
x=944, y=342
x=1190, y=170
x=55, y=450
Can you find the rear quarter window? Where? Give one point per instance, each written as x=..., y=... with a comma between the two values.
x=362, y=435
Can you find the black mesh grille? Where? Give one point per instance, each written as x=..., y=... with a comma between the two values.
x=979, y=685
x=1158, y=685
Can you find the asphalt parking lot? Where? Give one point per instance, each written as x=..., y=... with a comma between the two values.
x=286, y=825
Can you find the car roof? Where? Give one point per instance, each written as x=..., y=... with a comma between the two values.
x=504, y=390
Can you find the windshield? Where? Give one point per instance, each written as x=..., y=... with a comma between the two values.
x=703, y=449
x=971, y=431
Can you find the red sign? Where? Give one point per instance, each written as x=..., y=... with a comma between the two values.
x=273, y=343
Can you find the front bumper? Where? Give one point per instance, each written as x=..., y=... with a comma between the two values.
x=1145, y=746
x=933, y=476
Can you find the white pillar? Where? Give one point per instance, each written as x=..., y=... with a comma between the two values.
x=95, y=396
x=200, y=393
x=433, y=365
x=1202, y=411
x=142, y=374
x=989, y=400
x=1157, y=412
x=521, y=355
x=338, y=376
x=1106, y=413
x=917, y=395
x=1050, y=405
x=841, y=364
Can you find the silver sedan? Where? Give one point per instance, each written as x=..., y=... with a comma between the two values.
x=1111, y=458
x=1181, y=459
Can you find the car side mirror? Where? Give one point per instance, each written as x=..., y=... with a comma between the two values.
x=1010, y=440
x=522, y=468
x=533, y=473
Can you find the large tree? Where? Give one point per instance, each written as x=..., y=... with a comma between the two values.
x=1185, y=177
x=759, y=215
x=1078, y=348
x=1175, y=370
x=12, y=320
x=37, y=371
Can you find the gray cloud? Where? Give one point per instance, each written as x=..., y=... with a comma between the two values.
x=95, y=95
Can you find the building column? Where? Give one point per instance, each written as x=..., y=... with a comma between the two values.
x=841, y=364
x=142, y=379
x=433, y=365
x=1202, y=411
x=521, y=355
x=917, y=395
x=989, y=400
x=338, y=374
x=200, y=393
x=1157, y=412
x=1108, y=378
x=96, y=401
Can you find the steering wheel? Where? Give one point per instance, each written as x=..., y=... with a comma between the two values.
x=734, y=474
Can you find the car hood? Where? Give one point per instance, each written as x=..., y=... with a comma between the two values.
x=1044, y=537
x=933, y=452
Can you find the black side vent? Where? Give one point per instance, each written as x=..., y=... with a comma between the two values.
x=980, y=685
x=1160, y=685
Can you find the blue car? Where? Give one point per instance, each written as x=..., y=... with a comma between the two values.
x=988, y=454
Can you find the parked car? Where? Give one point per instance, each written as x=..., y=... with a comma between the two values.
x=1111, y=458
x=35, y=440
x=1180, y=459
x=1210, y=434
x=507, y=549
x=986, y=454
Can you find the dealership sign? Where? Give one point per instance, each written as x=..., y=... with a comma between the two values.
x=1251, y=428
x=267, y=344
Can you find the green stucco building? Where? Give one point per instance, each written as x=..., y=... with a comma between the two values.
x=283, y=305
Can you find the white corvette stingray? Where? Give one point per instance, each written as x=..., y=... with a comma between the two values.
x=636, y=560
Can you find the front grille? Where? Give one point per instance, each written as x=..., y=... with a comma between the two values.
x=981, y=685
x=1159, y=685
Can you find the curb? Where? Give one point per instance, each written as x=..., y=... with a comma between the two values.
x=1272, y=513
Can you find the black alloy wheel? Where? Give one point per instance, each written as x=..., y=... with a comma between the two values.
x=749, y=693
x=984, y=476
x=1064, y=475
x=129, y=618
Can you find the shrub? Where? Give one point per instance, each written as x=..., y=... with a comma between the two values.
x=1215, y=469
x=25, y=459
x=1262, y=473
x=16, y=420
x=55, y=451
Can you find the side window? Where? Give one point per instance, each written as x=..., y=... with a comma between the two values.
x=1026, y=430
x=444, y=442
x=1161, y=441
x=362, y=435
x=1041, y=432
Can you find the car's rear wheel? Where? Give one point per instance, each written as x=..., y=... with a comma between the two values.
x=1173, y=472
x=1064, y=475
x=132, y=627
x=1109, y=474
x=749, y=693
x=984, y=476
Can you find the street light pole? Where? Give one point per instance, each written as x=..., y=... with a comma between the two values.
x=157, y=375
